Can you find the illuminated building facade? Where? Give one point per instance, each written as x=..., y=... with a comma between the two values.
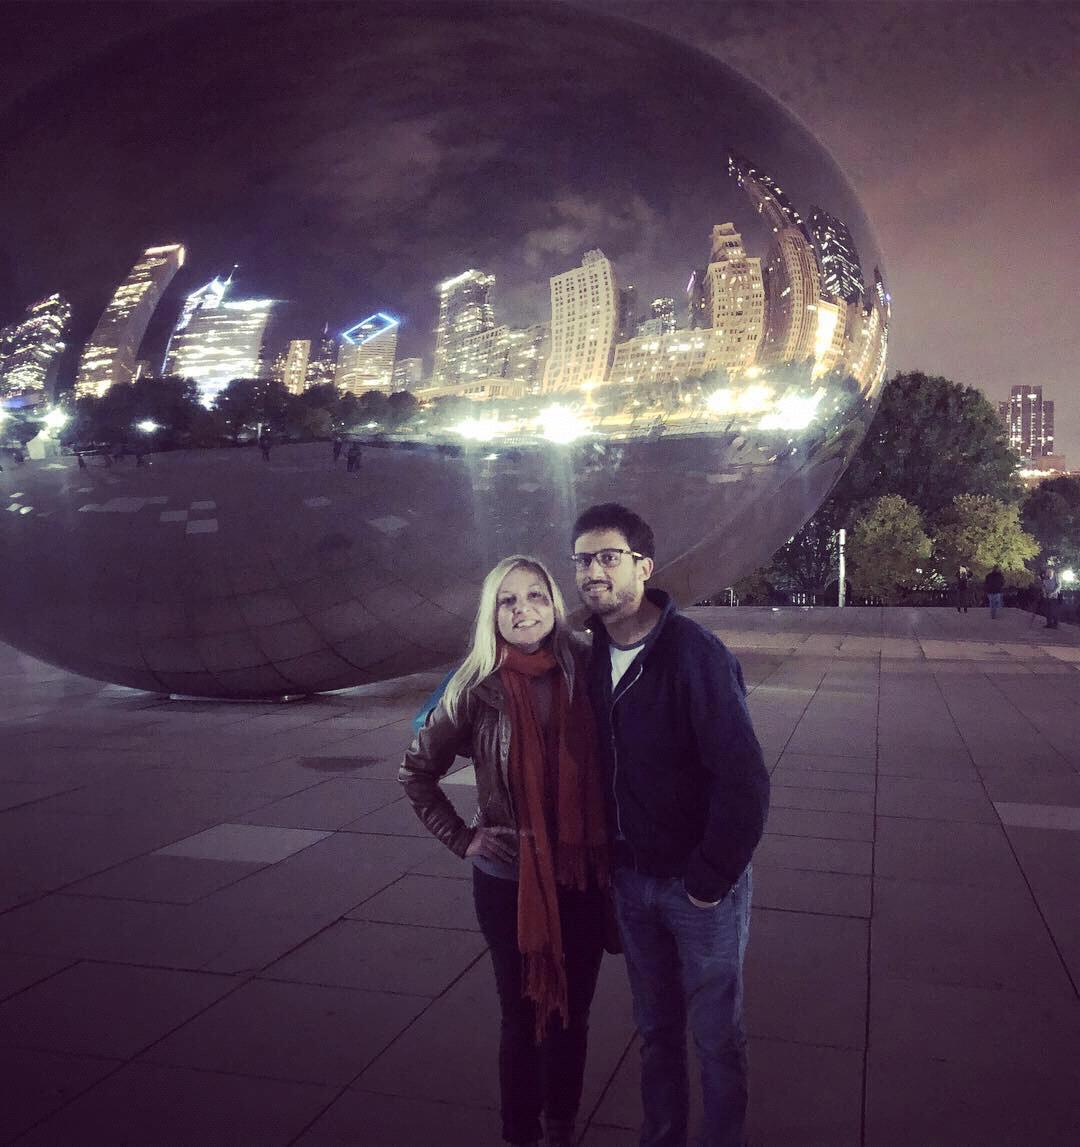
x=30, y=348
x=465, y=310
x=220, y=340
x=790, y=277
x=584, y=318
x=109, y=357
x=294, y=371
x=408, y=373
x=671, y=357
x=870, y=336
x=367, y=353
x=1029, y=420
x=733, y=298
x=841, y=272
x=322, y=365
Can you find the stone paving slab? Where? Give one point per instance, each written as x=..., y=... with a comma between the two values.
x=222, y=923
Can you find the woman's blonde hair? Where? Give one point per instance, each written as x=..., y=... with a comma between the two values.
x=486, y=652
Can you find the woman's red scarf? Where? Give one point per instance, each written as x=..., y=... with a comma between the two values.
x=562, y=831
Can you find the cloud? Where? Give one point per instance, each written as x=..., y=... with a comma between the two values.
x=576, y=224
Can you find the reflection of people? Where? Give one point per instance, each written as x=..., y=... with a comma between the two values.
x=963, y=576
x=518, y=705
x=337, y=448
x=1050, y=590
x=352, y=458
x=690, y=795
x=995, y=587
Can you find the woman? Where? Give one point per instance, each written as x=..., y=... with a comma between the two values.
x=518, y=706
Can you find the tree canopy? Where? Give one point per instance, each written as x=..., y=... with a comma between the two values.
x=1051, y=514
x=889, y=549
x=982, y=532
x=930, y=440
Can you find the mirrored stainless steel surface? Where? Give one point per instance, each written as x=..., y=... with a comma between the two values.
x=687, y=314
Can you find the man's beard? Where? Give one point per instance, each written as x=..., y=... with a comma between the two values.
x=615, y=603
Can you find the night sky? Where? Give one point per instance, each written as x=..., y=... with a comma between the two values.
x=955, y=122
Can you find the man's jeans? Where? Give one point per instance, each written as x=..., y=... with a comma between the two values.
x=994, y=600
x=685, y=964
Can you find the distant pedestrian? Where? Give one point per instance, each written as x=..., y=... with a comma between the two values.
x=995, y=588
x=264, y=446
x=338, y=444
x=1051, y=596
x=352, y=458
x=963, y=592
x=80, y=459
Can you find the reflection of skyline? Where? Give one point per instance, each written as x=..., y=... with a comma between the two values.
x=800, y=300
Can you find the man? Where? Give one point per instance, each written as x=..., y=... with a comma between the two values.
x=688, y=796
x=1049, y=584
x=995, y=587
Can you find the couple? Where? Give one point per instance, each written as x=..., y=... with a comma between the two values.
x=629, y=765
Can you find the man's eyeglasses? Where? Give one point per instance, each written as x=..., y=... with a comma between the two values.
x=608, y=558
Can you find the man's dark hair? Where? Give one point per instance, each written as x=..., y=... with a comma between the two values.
x=613, y=516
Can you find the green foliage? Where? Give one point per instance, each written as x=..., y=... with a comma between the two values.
x=981, y=532
x=807, y=562
x=1051, y=514
x=888, y=548
x=930, y=440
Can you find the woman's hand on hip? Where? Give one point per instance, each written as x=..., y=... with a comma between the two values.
x=495, y=844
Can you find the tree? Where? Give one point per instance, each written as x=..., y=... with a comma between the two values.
x=1051, y=514
x=930, y=440
x=808, y=561
x=888, y=548
x=249, y=402
x=981, y=532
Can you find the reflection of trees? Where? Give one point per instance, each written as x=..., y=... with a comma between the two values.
x=245, y=406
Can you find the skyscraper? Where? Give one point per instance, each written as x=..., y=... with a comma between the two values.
x=295, y=369
x=109, y=357
x=464, y=310
x=734, y=298
x=30, y=348
x=1029, y=421
x=841, y=272
x=220, y=340
x=366, y=357
x=584, y=317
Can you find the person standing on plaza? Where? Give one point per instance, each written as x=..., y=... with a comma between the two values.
x=1049, y=584
x=519, y=707
x=995, y=587
x=963, y=577
x=688, y=797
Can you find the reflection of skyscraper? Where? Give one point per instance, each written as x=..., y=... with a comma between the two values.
x=696, y=306
x=790, y=277
x=672, y=357
x=464, y=310
x=408, y=373
x=219, y=341
x=870, y=336
x=29, y=349
x=295, y=368
x=584, y=314
x=661, y=318
x=109, y=356
x=1029, y=421
x=841, y=272
x=367, y=353
x=734, y=298
x=323, y=365
x=627, y=312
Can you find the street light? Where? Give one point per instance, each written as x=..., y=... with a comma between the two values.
x=1068, y=576
x=55, y=420
x=147, y=426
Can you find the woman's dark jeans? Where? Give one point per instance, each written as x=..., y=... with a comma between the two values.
x=546, y=1078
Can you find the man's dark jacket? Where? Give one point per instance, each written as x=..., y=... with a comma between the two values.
x=686, y=774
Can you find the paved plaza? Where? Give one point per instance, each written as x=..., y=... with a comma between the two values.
x=221, y=923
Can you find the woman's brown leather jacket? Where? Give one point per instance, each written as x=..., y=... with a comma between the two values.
x=482, y=732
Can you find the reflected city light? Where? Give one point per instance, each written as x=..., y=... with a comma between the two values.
x=56, y=419
x=562, y=425
x=793, y=412
x=147, y=426
x=481, y=429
